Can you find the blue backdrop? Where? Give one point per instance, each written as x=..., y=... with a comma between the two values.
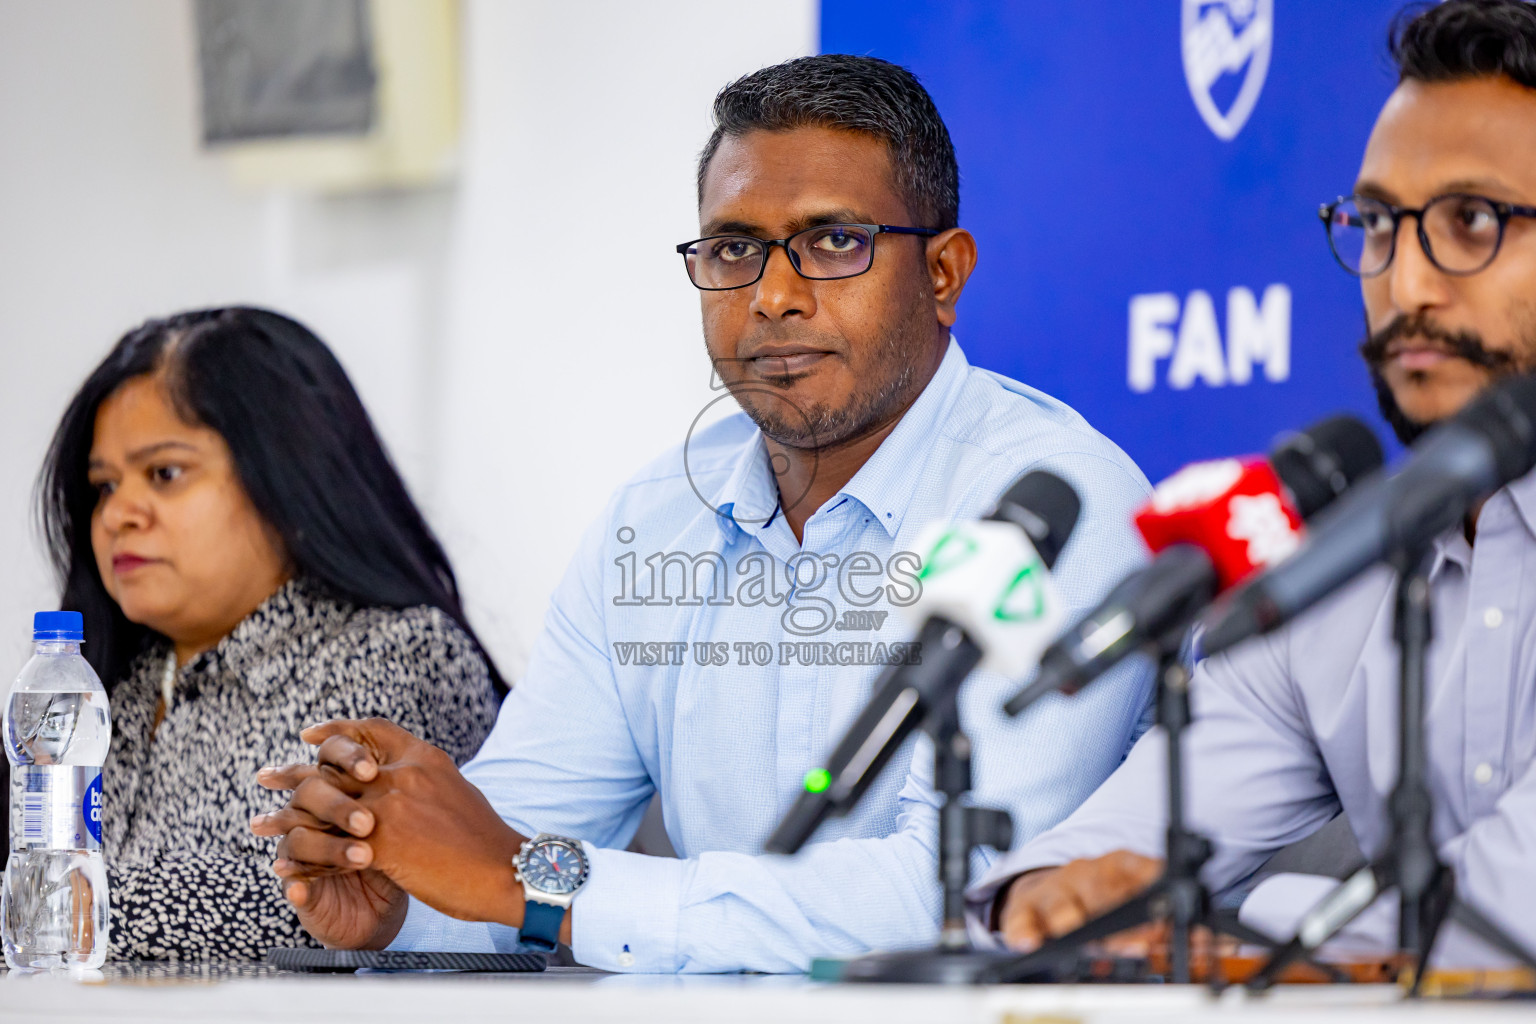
x=1172, y=284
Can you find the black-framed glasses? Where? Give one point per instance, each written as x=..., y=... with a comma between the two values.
x=1459, y=233
x=825, y=252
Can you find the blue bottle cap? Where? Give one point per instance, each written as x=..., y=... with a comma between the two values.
x=59, y=627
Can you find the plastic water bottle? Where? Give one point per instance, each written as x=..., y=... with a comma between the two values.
x=53, y=908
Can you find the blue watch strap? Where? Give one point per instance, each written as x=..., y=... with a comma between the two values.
x=541, y=926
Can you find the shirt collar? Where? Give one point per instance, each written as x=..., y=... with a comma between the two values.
x=299, y=615
x=749, y=499
x=1523, y=493
x=1452, y=545
x=886, y=483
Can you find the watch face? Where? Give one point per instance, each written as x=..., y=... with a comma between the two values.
x=553, y=867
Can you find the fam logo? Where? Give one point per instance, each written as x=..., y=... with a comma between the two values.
x=1222, y=39
x=1188, y=336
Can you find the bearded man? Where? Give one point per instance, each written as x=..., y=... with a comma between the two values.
x=725, y=617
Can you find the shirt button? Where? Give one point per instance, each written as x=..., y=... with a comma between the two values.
x=626, y=959
x=1483, y=773
x=1493, y=618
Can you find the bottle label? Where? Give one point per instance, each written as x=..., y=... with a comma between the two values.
x=58, y=807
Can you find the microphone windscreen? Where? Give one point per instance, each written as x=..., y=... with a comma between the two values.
x=1506, y=415
x=992, y=576
x=1045, y=507
x=1319, y=464
x=1233, y=509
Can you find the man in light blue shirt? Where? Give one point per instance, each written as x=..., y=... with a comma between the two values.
x=727, y=612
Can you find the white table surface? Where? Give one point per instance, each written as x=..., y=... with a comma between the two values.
x=236, y=995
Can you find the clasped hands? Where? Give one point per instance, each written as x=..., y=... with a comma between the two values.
x=382, y=814
x=379, y=816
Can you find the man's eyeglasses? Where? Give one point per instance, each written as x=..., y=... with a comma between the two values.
x=825, y=252
x=1459, y=233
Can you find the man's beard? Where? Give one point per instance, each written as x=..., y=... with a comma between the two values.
x=896, y=358
x=1466, y=345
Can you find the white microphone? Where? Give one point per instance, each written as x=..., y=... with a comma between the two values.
x=987, y=578
x=985, y=598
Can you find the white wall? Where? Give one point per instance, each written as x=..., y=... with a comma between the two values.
x=513, y=394
x=563, y=378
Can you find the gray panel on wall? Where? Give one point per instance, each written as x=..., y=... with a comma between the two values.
x=280, y=68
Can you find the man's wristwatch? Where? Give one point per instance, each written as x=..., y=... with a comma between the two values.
x=553, y=869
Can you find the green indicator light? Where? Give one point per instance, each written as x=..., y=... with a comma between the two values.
x=817, y=780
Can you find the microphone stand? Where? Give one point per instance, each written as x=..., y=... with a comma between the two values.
x=1426, y=886
x=962, y=828
x=1178, y=896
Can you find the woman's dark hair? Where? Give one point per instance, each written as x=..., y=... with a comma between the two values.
x=302, y=445
x=1462, y=39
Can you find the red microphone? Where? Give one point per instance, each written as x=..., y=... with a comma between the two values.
x=1236, y=510
x=1211, y=524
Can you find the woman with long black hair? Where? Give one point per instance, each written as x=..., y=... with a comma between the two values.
x=247, y=559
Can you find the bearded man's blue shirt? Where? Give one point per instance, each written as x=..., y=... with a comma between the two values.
x=692, y=564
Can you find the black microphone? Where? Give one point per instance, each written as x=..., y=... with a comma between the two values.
x=1457, y=464
x=1154, y=606
x=951, y=642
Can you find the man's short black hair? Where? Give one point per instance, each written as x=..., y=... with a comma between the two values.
x=1462, y=39
x=857, y=94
